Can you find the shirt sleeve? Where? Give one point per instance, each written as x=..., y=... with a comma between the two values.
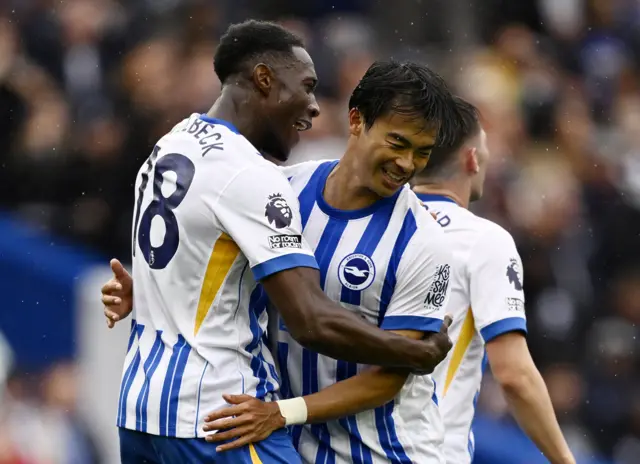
x=422, y=288
x=261, y=213
x=496, y=279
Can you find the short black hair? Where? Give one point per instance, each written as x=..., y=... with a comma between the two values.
x=409, y=89
x=250, y=40
x=468, y=126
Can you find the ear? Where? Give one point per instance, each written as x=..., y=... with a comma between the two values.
x=356, y=122
x=263, y=78
x=471, y=160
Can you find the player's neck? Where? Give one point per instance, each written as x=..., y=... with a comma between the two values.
x=456, y=194
x=345, y=191
x=232, y=106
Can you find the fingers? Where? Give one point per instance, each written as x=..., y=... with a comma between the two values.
x=111, y=287
x=237, y=399
x=228, y=423
x=446, y=323
x=225, y=412
x=245, y=435
x=117, y=268
x=111, y=315
x=109, y=300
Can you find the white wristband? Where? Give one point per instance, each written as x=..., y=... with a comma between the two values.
x=294, y=410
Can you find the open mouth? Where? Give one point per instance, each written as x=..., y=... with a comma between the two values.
x=396, y=178
x=302, y=125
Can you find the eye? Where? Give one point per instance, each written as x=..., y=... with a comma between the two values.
x=424, y=154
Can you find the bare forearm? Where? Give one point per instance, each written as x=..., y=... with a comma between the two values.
x=367, y=390
x=324, y=326
x=343, y=335
x=531, y=406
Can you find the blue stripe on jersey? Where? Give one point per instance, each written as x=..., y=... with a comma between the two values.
x=129, y=375
x=434, y=396
x=171, y=387
x=195, y=427
x=132, y=334
x=420, y=323
x=307, y=196
x=149, y=366
x=283, y=357
x=257, y=305
x=282, y=263
x=360, y=453
x=368, y=244
x=388, y=436
x=324, y=253
x=409, y=228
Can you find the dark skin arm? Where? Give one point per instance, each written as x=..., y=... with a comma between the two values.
x=321, y=325
x=316, y=322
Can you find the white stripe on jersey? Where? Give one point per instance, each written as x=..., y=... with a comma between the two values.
x=202, y=240
x=486, y=301
x=364, y=248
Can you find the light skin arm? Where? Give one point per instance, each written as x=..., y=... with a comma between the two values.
x=527, y=395
x=249, y=419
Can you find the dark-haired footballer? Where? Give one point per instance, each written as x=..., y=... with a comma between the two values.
x=487, y=303
x=382, y=256
x=216, y=230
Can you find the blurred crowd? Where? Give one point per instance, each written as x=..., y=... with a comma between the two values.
x=87, y=87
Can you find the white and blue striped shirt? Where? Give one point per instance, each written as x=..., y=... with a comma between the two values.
x=389, y=263
x=212, y=219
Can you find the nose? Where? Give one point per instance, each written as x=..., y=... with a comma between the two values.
x=405, y=162
x=314, y=108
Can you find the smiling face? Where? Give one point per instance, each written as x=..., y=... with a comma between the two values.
x=391, y=151
x=291, y=104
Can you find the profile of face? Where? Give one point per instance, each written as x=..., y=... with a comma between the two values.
x=480, y=161
x=391, y=151
x=290, y=104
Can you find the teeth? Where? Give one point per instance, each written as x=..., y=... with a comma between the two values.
x=394, y=176
x=302, y=125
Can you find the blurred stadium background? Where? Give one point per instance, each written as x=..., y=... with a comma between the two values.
x=87, y=86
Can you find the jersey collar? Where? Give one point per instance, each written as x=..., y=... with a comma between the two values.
x=347, y=214
x=220, y=122
x=434, y=197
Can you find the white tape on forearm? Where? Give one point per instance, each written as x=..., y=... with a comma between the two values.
x=294, y=411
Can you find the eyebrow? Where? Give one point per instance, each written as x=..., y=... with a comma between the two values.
x=407, y=142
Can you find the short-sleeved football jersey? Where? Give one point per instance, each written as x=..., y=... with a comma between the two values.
x=211, y=218
x=486, y=301
x=390, y=264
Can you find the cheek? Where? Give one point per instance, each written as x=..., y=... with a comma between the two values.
x=420, y=164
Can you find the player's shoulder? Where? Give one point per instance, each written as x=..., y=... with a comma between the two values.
x=489, y=232
x=210, y=139
x=304, y=169
x=425, y=222
x=429, y=236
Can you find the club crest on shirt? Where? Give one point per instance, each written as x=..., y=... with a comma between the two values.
x=513, y=274
x=356, y=271
x=278, y=211
x=437, y=292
